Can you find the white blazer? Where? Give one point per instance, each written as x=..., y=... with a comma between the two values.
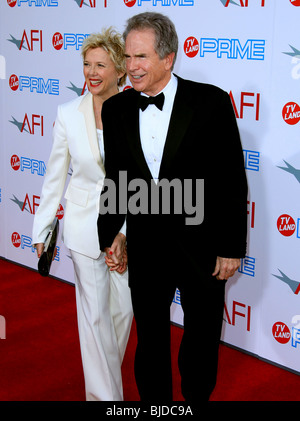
x=75, y=139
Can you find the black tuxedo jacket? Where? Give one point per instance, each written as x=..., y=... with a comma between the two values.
x=202, y=143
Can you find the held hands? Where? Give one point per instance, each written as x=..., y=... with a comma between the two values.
x=116, y=255
x=225, y=267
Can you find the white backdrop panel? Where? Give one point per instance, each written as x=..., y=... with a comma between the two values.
x=251, y=49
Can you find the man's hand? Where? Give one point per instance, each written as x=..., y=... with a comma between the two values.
x=226, y=267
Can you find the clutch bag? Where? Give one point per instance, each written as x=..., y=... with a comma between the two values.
x=46, y=258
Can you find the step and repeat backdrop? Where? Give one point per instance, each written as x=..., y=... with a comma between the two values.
x=251, y=49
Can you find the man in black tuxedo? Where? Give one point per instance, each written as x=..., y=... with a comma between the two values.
x=191, y=135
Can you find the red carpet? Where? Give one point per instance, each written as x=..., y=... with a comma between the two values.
x=40, y=357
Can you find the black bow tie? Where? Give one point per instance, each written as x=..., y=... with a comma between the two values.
x=158, y=100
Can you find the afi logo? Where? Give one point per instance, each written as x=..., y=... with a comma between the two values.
x=35, y=35
x=249, y=100
x=35, y=203
x=292, y=283
x=242, y=3
x=27, y=40
x=36, y=120
x=241, y=310
x=78, y=90
x=251, y=212
x=28, y=125
x=92, y=3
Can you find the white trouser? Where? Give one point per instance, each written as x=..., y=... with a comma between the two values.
x=104, y=313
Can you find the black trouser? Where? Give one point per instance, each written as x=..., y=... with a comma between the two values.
x=202, y=299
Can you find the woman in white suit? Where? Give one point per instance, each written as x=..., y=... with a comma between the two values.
x=102, y=295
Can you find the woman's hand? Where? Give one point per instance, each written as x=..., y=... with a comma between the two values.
x=39, y=249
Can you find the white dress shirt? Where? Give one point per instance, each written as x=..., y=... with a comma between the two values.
x=154, y=126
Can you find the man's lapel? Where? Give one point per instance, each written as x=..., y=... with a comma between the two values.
x=181, y=117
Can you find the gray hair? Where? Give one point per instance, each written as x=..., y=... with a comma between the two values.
x=166, y=39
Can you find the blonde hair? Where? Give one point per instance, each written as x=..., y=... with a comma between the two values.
x=111, y=41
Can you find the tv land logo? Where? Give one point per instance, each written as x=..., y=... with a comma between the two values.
x=28, y=164
x=295, y=2
x=234, y=49
x=140, y=3
x=291, y=113
x=30, y=3
x=23, y=242
x=287, y=226
x=52, y=3
x=283, y=334
x=68, y=40
x=34, y=84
